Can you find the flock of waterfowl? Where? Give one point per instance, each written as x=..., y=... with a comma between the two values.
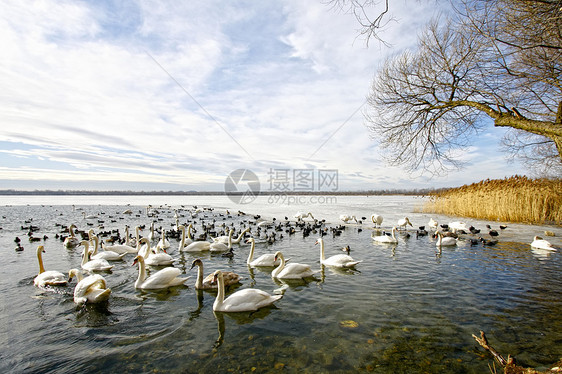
x=153, y=253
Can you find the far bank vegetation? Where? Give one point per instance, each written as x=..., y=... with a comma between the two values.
x=514, y=199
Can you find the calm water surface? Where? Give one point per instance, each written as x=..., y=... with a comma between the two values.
x=407, y=308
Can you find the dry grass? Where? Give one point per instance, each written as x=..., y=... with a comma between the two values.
x=514, y=199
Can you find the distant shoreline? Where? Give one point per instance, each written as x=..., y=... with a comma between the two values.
x=415, y=192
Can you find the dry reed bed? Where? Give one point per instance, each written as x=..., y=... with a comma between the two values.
x=514, y=199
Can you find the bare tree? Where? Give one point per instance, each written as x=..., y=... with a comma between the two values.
x=498, y=62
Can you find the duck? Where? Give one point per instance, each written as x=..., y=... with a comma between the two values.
x=167, y=277
x=246, y=300
x=541, y=243
x=265, y=260
x=90, y=289
x=387, y=239
x=50, y=277
x=292, y=270
x=346, y=218
x=159, y=258
x=93, y=265
x=339, y=261
x=377, y=219
x=105, y=254
x=208, y=283
x=445, y=241
x=403, y=222
x=71, y=242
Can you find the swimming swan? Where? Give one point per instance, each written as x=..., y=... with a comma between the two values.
x=71, y=242
x=159, y=258
x=167, y=277
x=340, y=261
x=292, y=270
x=91, y=289
x=246, y=300
x=540, y=243
x=208, y=282
x=92, y=265
x=219, y=246
x=47, y=278
x=185, y=240
x=387, y=239
x=105, y=254
x=267, y=259
x=445, y=241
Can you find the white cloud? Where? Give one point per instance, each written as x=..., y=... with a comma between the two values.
x=182, y=92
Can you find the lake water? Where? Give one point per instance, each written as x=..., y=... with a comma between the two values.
x=407, y=308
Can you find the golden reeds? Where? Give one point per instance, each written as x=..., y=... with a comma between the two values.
x=514, y=199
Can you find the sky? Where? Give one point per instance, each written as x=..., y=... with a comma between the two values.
x=176, y=95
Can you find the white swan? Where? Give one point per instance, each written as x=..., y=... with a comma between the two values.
x=339, y=261
x=445, y=241
x=458, y=226
x=71, y=242
x=220, y=246
x=224, y=238
x=91, y=289
x=208, y=282
x=432, y=224
x=346, y=218
x=292, y=270
x=267, y=259
x=403, y=222
x=143, y=247
x=92, y=265
x=167, y=277
x=300, y=215
x=151, y=235
x=197, y=246
x=120, y=249
x=159, y=258
x=237, y=240
x=47, y=278
x=185, y=241
x=246, y=300
x=88, y=217
x=540, y=243
x=387, y=239
x=164, y=243
x=105, y=254
x=377, y=219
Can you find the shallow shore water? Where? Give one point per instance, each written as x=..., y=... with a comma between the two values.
x=406, y=308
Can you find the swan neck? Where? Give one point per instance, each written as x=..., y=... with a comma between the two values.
x=182, y=241
x=142, y=272
x=322, y=250
x=199, y=282
x=96, y=245
x=40, y=259
x=86, y=254
x=251, y=255
x=220, y=292
x=278, y=269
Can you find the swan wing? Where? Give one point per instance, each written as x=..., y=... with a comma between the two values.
x=197, y=247
x=266, y=260
x=249, y=299
x=167, y=277
x=296, y=271
x=344, y=261
x=50, y=278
